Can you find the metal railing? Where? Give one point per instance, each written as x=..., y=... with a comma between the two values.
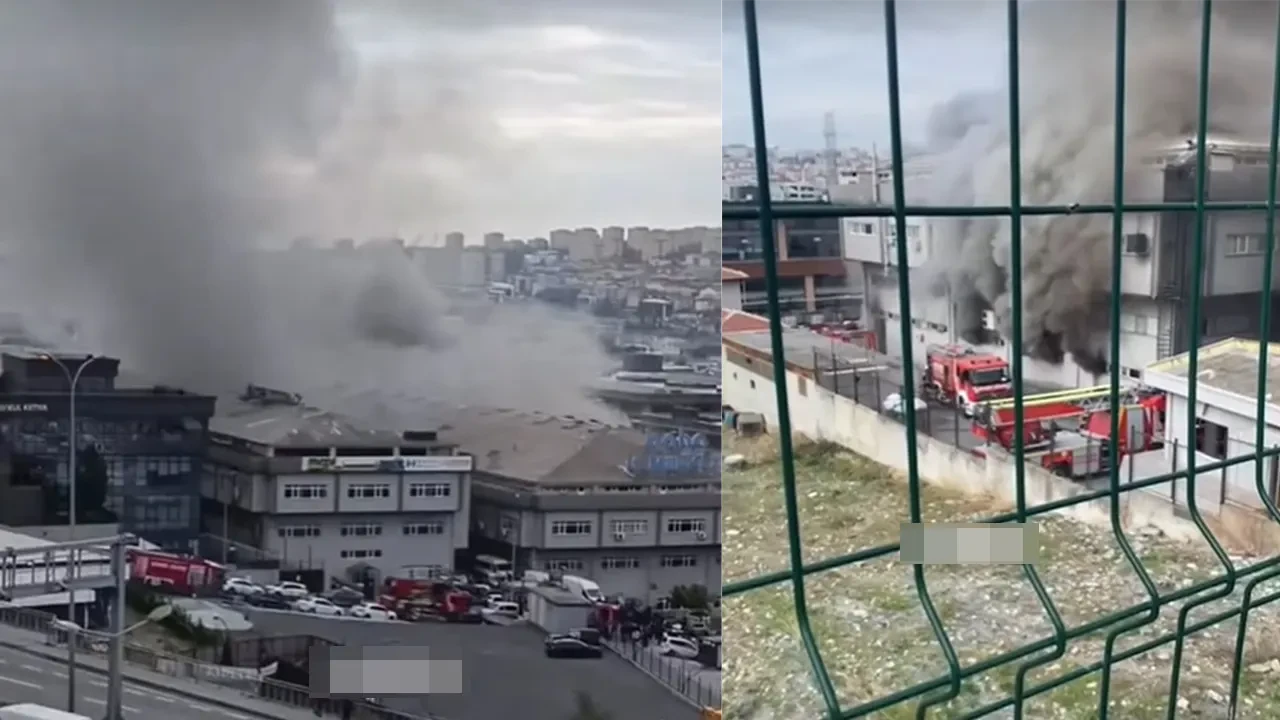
x=684, y=677
x=943, y=695
x=238, y=679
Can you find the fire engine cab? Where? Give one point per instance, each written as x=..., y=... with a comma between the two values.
x=961, y=376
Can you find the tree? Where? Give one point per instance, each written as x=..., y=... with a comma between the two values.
x=587, y=709
x=690, y=597
x=91, y=484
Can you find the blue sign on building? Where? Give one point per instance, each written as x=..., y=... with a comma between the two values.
x=675, y=455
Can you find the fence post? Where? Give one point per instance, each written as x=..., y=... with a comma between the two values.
x=835, y=371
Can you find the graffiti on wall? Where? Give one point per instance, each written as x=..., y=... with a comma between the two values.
x=675, y=455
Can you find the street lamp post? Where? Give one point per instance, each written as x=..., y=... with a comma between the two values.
x=73, y=379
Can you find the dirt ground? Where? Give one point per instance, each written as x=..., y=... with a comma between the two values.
x=874, y=637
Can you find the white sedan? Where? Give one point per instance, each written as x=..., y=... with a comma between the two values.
x=240, y=586
x=679, y=646
x=895, y=405
x=372, y=611
x=289, y=589
x=318, y=606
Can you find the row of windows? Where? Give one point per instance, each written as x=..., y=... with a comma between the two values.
x=429, y=490
x=306, y=492
x=1246, y=244
x=621, y=563
x=360, y=554
x=360, y=530
x=369, y=491
x=628, y=527
x=571, y=527
x=426, y=528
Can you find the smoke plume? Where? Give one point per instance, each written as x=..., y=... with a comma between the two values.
x=1067, y=90
x=152, y=148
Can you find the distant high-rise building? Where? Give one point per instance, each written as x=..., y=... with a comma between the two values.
x=454, y=240
x=493, y=240
x=613, y=240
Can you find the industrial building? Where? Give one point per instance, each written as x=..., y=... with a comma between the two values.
x=638, y=514
x=141, y=450
x=1226, y=412
x=318, y=490
x=1155, y=271
x=813, y=280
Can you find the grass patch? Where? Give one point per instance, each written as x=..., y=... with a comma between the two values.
x=873, y=635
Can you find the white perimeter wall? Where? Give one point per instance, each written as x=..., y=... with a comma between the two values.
x=822, y=415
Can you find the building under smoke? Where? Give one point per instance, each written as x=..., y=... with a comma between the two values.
x=1067, y=158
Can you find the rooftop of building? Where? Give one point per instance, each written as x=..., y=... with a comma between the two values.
x=540, y=448
x=1229, y=366
x=737, y=321
x=279, y=419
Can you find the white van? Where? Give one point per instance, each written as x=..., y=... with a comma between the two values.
x=31, y=711
x=584, y=587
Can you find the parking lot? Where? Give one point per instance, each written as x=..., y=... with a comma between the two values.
x=505, y=673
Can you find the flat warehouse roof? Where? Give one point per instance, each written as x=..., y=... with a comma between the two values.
x=1229, y=366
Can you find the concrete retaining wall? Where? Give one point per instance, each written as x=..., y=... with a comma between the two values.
x=822, y=415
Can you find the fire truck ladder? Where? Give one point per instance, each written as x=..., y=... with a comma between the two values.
x=1091, y=398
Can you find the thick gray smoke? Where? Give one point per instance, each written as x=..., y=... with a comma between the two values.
x=151, y=148
x=1068, y=68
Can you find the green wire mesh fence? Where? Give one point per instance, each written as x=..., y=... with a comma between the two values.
x=930, y=698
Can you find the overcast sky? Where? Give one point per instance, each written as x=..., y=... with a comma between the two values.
x=820, y=56
x=522, y=117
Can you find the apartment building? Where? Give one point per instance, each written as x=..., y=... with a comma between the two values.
x=637, y=514
x=319, y=490
x=1155, y=271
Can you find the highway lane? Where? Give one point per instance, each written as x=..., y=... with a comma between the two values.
x=28, y=678
x=504, y=671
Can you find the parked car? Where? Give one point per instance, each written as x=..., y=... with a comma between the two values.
x=318, y=606
x=569, y=646
x=345, y=598
x=371, y=611
x=896, y=406
x=242, y=587
x=289, y=589
x=679, y=646
x=267, y=601
x=501, y=611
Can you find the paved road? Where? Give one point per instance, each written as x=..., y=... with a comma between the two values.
x=504, y=671
x=27, y=678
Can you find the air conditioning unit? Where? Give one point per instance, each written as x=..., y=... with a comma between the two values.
x=701, y=534
x=1137, y=244
x=619, y=536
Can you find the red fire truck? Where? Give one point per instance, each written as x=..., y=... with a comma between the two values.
x=963, y=377
x=177, y=573
x=1068, y=432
